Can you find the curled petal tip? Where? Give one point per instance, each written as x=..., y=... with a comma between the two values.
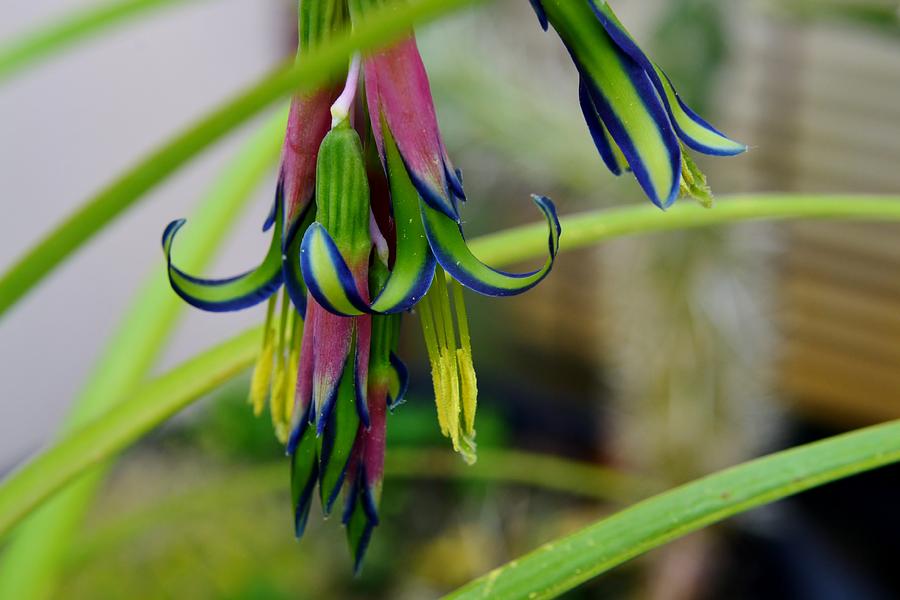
x=330, y=279
x=233, y=293
x=452, y=252
x=399, y=383
x=170, y=231
x=279, y=202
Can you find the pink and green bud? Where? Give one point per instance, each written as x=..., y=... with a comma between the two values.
x=308, y=122
x=399, y=100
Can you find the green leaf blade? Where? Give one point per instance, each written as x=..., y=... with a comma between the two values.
x=563, y=564
x=28, y=49
x=92, y=443
x=28, y=563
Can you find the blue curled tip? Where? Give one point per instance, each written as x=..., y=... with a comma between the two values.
x=402, y=375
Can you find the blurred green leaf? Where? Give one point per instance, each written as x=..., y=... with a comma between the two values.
x=130, y=354
x=243, y=485
x=33, y=46
x=879, y=14
x=563, y=564
x=693, y=65
x=122, y=425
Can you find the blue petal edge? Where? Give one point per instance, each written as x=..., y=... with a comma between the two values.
x=361, y=393
x=627, y=44
x=345, y=276
x=256, y=295
x=596, y=127
x=402, y=374
x=301, y=511
x=440, y=200
x=324, y=461
x=620, y=135
x=450, y=265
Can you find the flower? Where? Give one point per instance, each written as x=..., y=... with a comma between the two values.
x=422, y=257
x=636, y=118
x=365, y=227
x=428, y=239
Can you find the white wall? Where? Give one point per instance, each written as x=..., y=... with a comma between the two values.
x=66, y=128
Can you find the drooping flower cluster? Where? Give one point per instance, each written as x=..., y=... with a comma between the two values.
x=365, y=227
x=636, y=118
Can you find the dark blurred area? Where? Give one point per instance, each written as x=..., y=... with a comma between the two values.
x=660, y=359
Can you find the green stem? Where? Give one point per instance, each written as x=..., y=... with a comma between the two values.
x=565, y=563
x=581, y=230
x=27, y=564
x=312, y=70
x=33, y=46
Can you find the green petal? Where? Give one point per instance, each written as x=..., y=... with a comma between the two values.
x=414, y=264
x=692, y=129
x=336, y=441
x=453, y=254
x=234, y=293
x=304, y=474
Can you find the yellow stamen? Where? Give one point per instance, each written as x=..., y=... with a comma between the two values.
x=452, y=370
x=293, y=370
x=450, y=381
x=262, y=372
x=277, y=398
x=262, y=377
x=431, y=345
x=466, y=366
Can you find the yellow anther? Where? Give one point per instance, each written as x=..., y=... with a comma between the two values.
x=262, y=372
x=452, y=370
x=277, y=403
x=450, y=390
x=262, y=378
x=469, y=388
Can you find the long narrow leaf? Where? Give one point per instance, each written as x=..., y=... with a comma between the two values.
x=28, y=563
x=528, y=242
x=565, y=563
x=33, y=46
x=123, y=424
x=109, y=203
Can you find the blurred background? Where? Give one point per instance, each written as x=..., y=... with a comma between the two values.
x=638, y=365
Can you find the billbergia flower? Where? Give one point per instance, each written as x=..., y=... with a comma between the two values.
x=366, y=227
x=636, y=118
